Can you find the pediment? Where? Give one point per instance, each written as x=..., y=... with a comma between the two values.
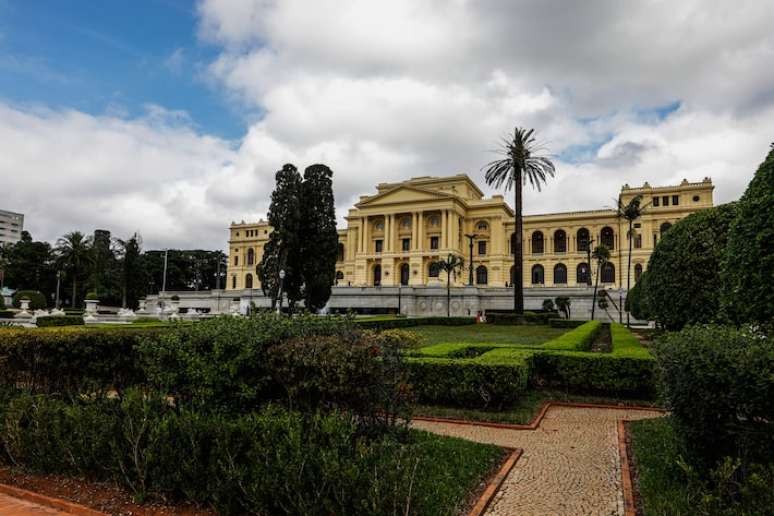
x=403, y=194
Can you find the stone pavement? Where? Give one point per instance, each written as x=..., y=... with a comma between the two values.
x=10, y=506
x=570, y=463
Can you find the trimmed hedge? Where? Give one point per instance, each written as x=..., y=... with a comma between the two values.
x=59, y=320
x=6, y=314
x=517, y=319
x=388, y=324
x=564, y=323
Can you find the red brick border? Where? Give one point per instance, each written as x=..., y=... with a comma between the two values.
x=483, y=502
x=55, y=503
x=630, y=507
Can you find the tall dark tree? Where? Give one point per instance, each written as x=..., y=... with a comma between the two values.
x=29, y=265
x=630, y=212
x=187, y=269
x=319, y=238
x=283, y=250
x=522, y=163
x=132, y=270
x=73, y=255
x=104, y=270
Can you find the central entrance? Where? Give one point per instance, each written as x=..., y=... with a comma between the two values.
x=404, y=274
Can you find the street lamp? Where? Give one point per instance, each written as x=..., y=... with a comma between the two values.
x=282, y=279
x=470, y=238
x=58, y=278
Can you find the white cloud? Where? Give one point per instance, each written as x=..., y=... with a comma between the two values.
x=382, y=91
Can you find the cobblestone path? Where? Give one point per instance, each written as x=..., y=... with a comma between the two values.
x=10, y=506
x=570, y=463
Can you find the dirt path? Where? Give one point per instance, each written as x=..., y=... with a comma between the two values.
x=570, y=463
x=10, y=506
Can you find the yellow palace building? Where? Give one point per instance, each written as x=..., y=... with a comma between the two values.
x=393, y=237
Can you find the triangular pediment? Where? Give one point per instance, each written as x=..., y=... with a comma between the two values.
x=403, y=194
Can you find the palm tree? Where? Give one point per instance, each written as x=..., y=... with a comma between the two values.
x=450, y=266
x=73, y=253
x=563, y=305
x=602, y=255
x=521, y=163
x=630, y=212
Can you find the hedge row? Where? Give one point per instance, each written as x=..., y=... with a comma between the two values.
x=59, y=320
x=579, y=339
x=388, y=324
x=516, y=319
x=564, y=323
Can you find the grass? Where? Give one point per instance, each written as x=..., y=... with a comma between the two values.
x=662, y=486
x=524, y=335
x=449, y=471
x=524, y=410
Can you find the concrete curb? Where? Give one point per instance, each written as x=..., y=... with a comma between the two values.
x=55, y=503
x=494, y=484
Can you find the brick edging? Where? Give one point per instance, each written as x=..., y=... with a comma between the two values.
x=537, y=419
x=483, y=502
x=48, y=501
x=630, y=508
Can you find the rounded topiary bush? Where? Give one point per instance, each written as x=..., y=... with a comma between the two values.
x=683, y=276
x=92, y=296
x=748, y=265
x=37, y=299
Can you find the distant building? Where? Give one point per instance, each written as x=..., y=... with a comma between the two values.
x=393, y=237
x=11, y=226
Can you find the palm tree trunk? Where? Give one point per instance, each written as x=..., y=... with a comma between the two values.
x=629, y=274
x=596, y=284
x=518, y=256
x=74, y=292
x=448, y=294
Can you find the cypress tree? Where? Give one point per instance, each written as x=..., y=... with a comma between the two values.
x=283, y=250
x=319, y=238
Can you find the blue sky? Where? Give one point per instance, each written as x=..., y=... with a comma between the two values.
x=112, y=57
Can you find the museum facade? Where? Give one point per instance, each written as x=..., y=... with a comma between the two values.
x=394, y=236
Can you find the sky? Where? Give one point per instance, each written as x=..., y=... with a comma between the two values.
x=171, y=117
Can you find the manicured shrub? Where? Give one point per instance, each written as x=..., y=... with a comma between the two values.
x=6, y=314
x=515, y=319
x=37, y=299
x=59, y=320
x=579, y=339
x=683, y=281
x=748, y=263
x=414, y=321
x=2, y=303
x=565, y=323
x=719, y=384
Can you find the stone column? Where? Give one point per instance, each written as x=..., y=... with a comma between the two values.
x=386, y=234
x=420, y=230
x=444, y=228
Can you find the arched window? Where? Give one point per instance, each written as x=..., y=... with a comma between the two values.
x=582, y=276
x=248, y=280
x=434, y=270
x=377, y=275
x=251, y=256
x=233, y=281
x=637, y=272
x=339, y=277
x=608, y=237
x=608, y=273
x=379, y=226
x=583, y=239
x=404, y=274
x=482, y=226
x=664, y=227
x=560, y=274
x=537, y=242
x=405, y=222
x=481, y=275
x=538, y=275
x=340, y=250
x=560, y=241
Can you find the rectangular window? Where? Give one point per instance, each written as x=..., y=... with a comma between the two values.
x=665, y=200
x=637, y=241
x=655, y=201
x=378, y=244
x=637, y=225
x=675, y=200
x=236, y=260
x=434, y=243
x=482, y=247
x=406, y=244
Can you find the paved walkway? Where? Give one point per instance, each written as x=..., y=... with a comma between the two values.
x=10, y=506
x=570, y=463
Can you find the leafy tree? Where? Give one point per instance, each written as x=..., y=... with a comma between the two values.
x=602, y=255
x=630, y=212
x=748, y=263
x=74, y=254
x=28, y=264
x=521, y=163
x=563, y=305
x=634, y=303
x=283, y=250
x=319, y=237
x=450, y=266
x=132, y=270
x=187, y=269
x=683, y=284
x=548, y=305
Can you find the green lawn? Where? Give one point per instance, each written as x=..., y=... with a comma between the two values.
x=523, y=335
x=522, y=411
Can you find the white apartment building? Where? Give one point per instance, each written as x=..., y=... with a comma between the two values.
x=11, y=226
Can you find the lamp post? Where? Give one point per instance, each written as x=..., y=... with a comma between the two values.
x=164, y=278
x=470, y=238
x=588, y=260
x=282, y=279
x=58, y=278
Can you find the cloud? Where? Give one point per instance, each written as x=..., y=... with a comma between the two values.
x=175, y=60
